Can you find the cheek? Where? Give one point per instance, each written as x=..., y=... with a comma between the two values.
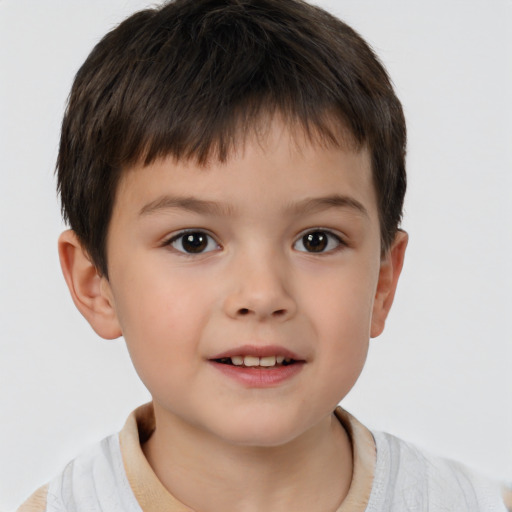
x=161, y=321
x=341, y=318
x=346, y=341
x=343, y=308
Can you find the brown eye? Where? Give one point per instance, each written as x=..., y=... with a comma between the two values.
x=318, y=241
x=315, y=242
x=193, y=242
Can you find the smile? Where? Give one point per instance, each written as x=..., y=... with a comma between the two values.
x=256, y=366
x=255, y=361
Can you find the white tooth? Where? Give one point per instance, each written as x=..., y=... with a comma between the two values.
x=279, y=359
x=237, y=360
x=268, y=361
x=251, y=361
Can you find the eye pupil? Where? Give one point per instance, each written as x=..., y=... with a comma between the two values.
x=315, y=242
x=194, y=242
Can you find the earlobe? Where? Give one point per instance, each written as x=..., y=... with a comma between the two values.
x=90, y=292
x=390, y=269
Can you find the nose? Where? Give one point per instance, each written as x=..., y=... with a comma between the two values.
x=259, y=289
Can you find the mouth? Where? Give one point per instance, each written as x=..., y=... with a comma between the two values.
x=257, y=366
x=250, y=361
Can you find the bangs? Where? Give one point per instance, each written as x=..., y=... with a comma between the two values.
x=218, y=138
x=163, y=96
x=193, y=79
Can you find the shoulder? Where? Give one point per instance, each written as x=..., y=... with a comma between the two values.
x=36, y=502
x=93, y=481
x=406, y=478
x=507, y=498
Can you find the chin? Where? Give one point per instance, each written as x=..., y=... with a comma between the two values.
x=261, y=439
x=258, y=431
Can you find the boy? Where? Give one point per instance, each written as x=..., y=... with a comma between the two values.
x=233, y=173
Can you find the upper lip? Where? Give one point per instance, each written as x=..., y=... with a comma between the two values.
x=258, y=351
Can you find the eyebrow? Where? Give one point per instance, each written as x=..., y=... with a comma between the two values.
x=191, y=204
x=316, y=204
x=201, y=206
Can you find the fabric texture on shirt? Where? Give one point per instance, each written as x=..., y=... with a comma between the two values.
x=389, y=475
x=408, y=480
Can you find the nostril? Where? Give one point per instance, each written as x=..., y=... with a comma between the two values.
x=278, y=313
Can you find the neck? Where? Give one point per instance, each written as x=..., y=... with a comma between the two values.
x=309, y=473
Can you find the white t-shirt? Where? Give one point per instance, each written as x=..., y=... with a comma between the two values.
x=389, y=475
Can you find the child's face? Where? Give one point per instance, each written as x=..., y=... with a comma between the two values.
x=281, y=257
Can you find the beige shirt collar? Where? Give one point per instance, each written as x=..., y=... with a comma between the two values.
x=154, y=497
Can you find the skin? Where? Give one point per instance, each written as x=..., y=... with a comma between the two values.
x=256, y=283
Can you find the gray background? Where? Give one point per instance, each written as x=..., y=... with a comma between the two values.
x=440, y=376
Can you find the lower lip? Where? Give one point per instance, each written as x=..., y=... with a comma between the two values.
x=259, y=377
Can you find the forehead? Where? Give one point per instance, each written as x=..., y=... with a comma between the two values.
x=273, y=167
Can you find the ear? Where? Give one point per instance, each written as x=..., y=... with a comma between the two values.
x=390, y=267
x=89, y=290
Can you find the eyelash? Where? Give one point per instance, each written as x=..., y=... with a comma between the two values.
x=330, y=237
x=181, y=236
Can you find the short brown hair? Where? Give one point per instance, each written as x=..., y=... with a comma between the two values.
x=190, y=79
